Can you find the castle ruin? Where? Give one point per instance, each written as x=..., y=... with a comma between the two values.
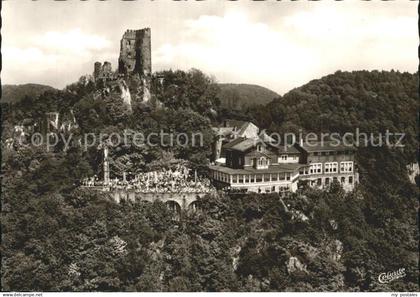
x=135, y=53
x=102, y=71
x=135, y=60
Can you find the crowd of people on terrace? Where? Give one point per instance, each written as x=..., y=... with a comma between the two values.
x=176, y=180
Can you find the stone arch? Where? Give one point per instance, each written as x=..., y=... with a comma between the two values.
x=194, y=206
x=173, y=206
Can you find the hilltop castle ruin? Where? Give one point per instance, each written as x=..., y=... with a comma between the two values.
x=135, y=53
x=135, y=60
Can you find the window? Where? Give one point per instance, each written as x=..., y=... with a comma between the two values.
x=247, y=178
x=284, y=157
x=241, y=178
x=319, y=181
x=331, y=167
x=350, y=179
x=327, y=181
x=346, y=166
x=283, y=189
x=267, y=177
x=282, y=176
x=259, y=178
x=263, y=162
x=287, y=176
x=234, y=179
x=259, y=148
x=315, y=168
x=274, y=177
x=343, y=179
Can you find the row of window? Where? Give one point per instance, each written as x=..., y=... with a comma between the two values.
x=329, y=167
x=348, y=152
x=280, y=189
x=286, y=158
x=250, y=178
x=256, y=162
x=328, y=180
x=274, y=189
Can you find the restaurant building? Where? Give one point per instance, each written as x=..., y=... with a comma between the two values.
x=256, y=164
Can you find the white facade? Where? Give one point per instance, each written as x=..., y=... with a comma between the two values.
x=287, y=159
x=259, y=182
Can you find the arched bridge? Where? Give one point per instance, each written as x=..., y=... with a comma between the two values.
x=175, y=201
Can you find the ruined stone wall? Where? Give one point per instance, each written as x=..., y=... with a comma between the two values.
x=107, y=68
x=136, y=53
x=102, y=71
x=97, y=70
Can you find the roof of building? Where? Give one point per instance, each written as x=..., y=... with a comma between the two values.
x=233, y=142
x=223, y=130
x=326, y=146
x=237, y=128
x=278, y=168
x=258, y=154
x=245, y=127
x=242, y=144
x=265, y=137
x=287, y=149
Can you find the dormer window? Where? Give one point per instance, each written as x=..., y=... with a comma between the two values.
x=259, y=148
x=262, y=163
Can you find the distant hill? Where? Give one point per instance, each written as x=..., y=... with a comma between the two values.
x=372, y=101
x=15, y=93
x=240, y=96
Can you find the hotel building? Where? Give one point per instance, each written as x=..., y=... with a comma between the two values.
x=256, y=164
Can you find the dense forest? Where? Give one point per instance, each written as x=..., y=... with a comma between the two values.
x=15, y=93
x=372, y=101
x=57, y=237
x=242, y=96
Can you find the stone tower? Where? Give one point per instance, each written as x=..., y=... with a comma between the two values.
x=136, y=53
x=97, y=70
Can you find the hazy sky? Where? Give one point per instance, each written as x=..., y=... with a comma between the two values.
x=279, y=45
